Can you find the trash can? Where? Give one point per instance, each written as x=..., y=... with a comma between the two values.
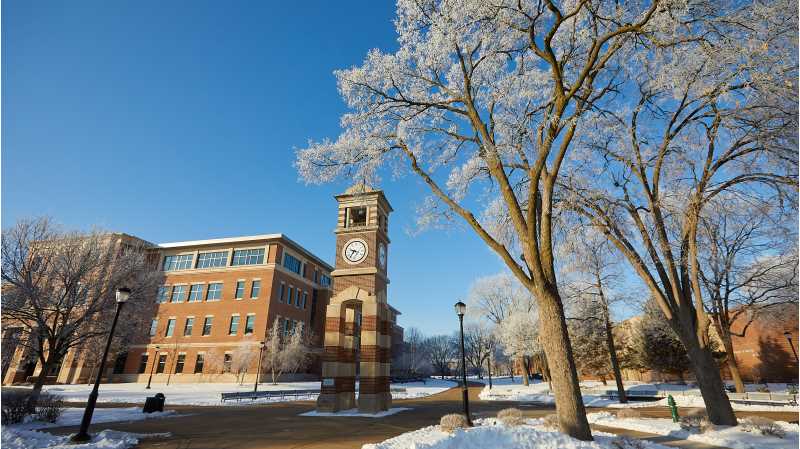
x=154, y=403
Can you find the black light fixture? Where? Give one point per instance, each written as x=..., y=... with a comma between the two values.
x=788, y=336
x=258, y=370
x=152, y=368
x=461, y=308
x=122, y=296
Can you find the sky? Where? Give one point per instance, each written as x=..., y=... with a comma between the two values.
x=179, y=121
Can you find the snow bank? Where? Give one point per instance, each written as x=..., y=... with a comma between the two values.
x=13, y=438
x=72, y=417
x=489, y=434
x=732, y=437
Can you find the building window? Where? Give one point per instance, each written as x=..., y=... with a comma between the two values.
x=182, y=262
x=248, y=256
x=292, y=263
x=119, y=362
x=282, y=292
x=255, y=289
x=214, y=292
x=234, y=326
x=227, y=361
x=179, y=363
x=305, y=298
x=316, y=276
x=239, y=290
x=207, y=325
x=162, y=363
x=170, y=327
x=198, y=364
x=153, y=327
x=163, y=294
x=297, y=298
x=143, y=363
x=291, y=295
x=179, y=293
x=196, y=293
x=355, y=216
x=325, y=280
x=212, y=260
x=249, y=324
x=187, y=328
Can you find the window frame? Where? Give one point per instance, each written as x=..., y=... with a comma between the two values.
x=208, y=322
x=233, y=324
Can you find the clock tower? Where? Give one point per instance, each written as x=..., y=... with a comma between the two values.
x=357, y=324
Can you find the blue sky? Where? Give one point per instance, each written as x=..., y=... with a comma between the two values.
x=178, y=121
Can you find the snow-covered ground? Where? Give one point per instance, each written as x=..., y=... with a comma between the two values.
x=72, y=417
x=487, y=433
x=732, y=437
x=26, y=436
x=209, y=393
x=13, y=438
x=504, y=389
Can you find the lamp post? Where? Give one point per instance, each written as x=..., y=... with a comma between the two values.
x=460, y=309
x=83, y=434
x=788, y=336
x=152, y=368
x=258, y=370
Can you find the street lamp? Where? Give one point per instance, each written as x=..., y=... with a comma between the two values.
x=83, y=434
x=152, y=367
x=258, y=371
x=460, y=309
x=788, y=336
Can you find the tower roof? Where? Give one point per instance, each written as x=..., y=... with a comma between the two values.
x=363, y=189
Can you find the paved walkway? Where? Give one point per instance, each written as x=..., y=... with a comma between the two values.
x=279, y=426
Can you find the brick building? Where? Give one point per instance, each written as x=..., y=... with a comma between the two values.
x=217, y=302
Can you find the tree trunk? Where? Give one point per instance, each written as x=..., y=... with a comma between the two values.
x=525, y=380
x=566, y=388
x=612, y=352
x=709, y=380
x=733, y=366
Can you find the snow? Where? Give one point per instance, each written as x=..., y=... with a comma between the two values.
x=356, y=413
x=732, y=437
x=209, y=393
x=487, y=433
x=72, y=417
x=14, y=438
x=685, y=395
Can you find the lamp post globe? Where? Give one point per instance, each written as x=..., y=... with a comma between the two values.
x=121, y=296
x=461, y=309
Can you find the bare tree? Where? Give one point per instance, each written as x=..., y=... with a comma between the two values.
x=413, y=351
x=59, y=286
x=749, y=267
x=286, y=349
x=478, y=341
x=441, y=351
x=244, y=355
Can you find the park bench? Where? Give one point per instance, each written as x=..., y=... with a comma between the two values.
x=633, y=394
x=758, y=398
x=266, y=394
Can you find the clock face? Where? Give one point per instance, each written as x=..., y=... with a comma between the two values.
x=382, y=255
x=355, y=251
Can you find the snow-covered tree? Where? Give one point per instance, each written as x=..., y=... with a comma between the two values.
x=655, y=345
x=518, y=335
x=482, y=101
x=286, y=351
x=591, y=272
x=494, y=297
x=478, y=343
x=710, y=109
